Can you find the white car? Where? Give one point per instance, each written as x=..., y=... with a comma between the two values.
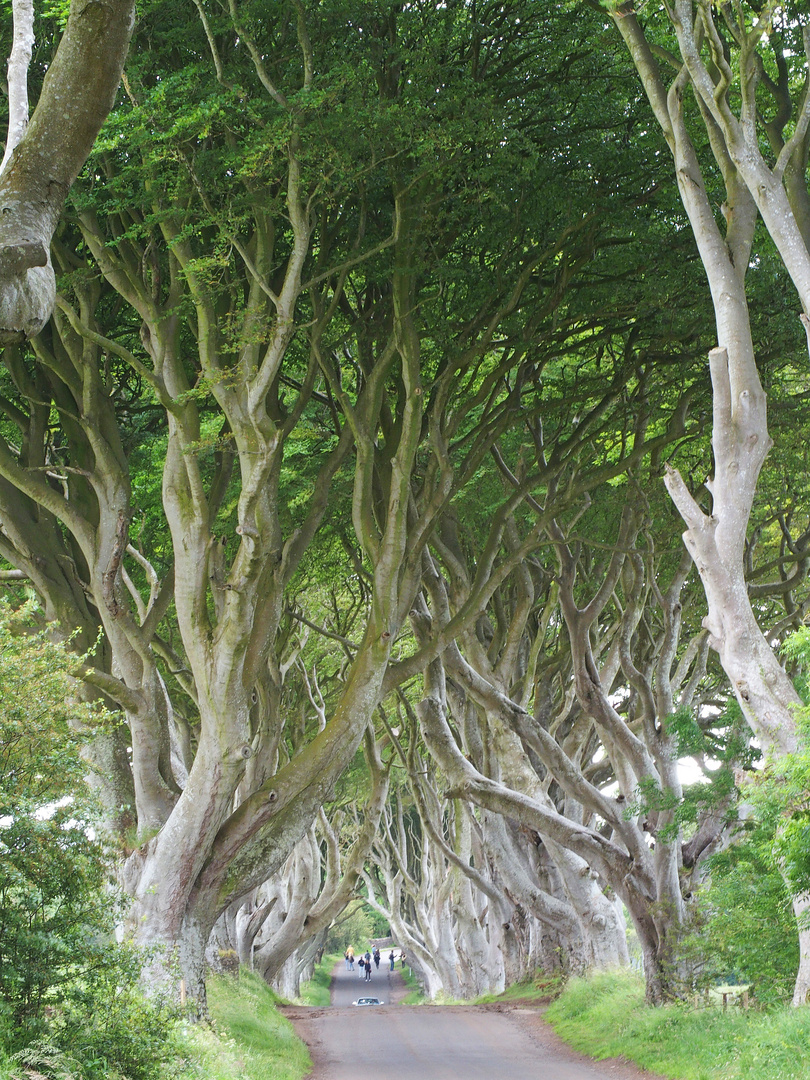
x=368, y=1001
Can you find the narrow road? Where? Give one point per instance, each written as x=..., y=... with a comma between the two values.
x=428, y=1042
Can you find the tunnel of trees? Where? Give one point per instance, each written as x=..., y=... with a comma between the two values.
x=404, y=544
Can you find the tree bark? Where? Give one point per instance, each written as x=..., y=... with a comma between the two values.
x=77, y=94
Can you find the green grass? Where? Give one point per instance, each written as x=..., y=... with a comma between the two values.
x=415, y=995
x=606, y=1016
x=248, y=1038
x=316, y=991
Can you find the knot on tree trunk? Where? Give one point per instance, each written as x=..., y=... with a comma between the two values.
x=27, y=291
x=18, y=257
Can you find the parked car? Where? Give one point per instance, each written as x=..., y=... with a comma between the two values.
x=368, y=1001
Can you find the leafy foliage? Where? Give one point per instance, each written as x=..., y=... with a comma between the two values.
x=745, y=925
x=53, y=912
x=744, y=929
x=69, y=999
x=725, y=741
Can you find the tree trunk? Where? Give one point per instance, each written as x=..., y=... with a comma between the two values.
x=77, y=94
x=740, y=442
x=801, y=989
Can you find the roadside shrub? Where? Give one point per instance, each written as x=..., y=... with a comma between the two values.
x=70, y=1007
x=111, y=1027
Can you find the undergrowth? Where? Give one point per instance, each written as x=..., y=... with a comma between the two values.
x=541, y=988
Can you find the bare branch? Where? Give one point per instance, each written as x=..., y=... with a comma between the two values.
x=212, y=45
x=18, y=64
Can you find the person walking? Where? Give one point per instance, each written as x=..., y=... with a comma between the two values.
x=368, y=970
x=391, y=959
x=349, y=954
x=377, y=958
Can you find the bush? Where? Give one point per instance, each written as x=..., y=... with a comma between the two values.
x=745, y=929
x=69, y=1002
x=110, y=1026
x=56, y=918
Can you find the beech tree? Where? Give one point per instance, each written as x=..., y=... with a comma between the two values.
x=746, y=67
x=464, y=929
x=531, y=751
x=276, y=929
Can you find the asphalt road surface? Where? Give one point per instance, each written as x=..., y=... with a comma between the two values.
x=393, y=1042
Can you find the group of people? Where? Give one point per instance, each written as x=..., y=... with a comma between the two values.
x=364, y=963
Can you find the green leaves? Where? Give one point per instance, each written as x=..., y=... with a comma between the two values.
x=747, y=926
x=40, y=714
x=53, y=870
x=56, y=9
x=745, y=930
x=68, y=993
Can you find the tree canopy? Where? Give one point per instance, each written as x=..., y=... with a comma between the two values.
x=352, y=458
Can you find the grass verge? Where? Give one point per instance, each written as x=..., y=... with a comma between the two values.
x=606, y=1016
x=415, y=995
x=316, y=990
x=537, y=991
x=248, y=1039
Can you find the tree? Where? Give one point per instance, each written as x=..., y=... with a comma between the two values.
x=530, y=751
x=756, y=56
x=274, y=929
x=463, y=927
x=66, y=988
x=51, y=894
